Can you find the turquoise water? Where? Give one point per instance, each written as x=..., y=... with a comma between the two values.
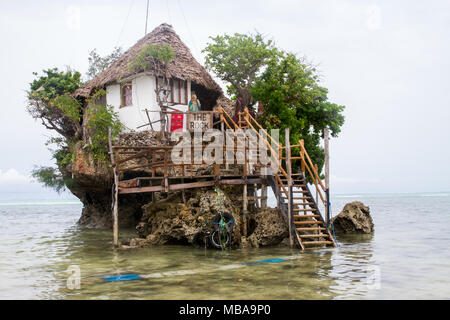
x=407, y=257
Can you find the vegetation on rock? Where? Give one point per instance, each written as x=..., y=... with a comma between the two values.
x=51, y=100
x=287, y=86
x=238, y=60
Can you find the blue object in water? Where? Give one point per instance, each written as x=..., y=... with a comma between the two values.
x=122, y=277
x=264, y=261
x=271, y=260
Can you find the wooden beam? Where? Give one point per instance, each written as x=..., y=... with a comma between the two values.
x=264, y=196
x=198, y=184
x=116, y=195
x=327, y=174
x=289, y=193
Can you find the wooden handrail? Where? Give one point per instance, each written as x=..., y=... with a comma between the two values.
x=259, y=126
x=271, y=150
x=304, y=156
x=316, y=174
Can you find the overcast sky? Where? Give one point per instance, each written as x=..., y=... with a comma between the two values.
x=386, y=61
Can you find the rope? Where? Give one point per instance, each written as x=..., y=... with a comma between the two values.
x=124, y=23
x=146, y=18
x=187, y=27
x=223, y=226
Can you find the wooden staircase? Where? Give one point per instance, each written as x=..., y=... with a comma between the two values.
x=307, y=226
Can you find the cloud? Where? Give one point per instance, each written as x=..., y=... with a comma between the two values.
x=12, y=176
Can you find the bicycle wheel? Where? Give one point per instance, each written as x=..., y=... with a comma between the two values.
x=220, y=239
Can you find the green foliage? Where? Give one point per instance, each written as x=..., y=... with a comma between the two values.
x=100, y=119
x=54, y=83
x=238, y=59
x=293, y=99
x=287, y=86
x=50, y=178
x=69, y=106
x=98, y=64
x=153, y=55
x=50, y=100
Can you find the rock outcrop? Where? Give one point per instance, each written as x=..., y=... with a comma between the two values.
x=92, y=184
x=170, y=221
x=270, y=227
x=354, y=218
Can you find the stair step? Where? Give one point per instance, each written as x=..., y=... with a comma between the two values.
x=304, y=204
x=301, y=223
x=296, y=191
x=322, y=235
x=308, y=243
x=304, y=210
x=311, y=229
x=294, y=198
x=307, y=216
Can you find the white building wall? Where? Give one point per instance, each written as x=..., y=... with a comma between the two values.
x=144, y=97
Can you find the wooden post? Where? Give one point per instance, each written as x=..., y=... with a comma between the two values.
x=183, y=193
x=327, y=174
x=116, y=193
x=244, y=196
x=244, y=204
x=316, y=171
x=166, y=179
x=289, y=172
x=264, y=196
x=222, y=128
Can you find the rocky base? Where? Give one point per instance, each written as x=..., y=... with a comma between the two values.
x=170, y=221
x=354, y=218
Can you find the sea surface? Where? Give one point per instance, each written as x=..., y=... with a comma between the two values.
x=44, y=255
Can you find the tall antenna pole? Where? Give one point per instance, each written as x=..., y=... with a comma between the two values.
x=146, y=17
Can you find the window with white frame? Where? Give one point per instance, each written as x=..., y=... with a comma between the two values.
x=178, y=91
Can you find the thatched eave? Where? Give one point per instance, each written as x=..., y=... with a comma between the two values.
x=183, y=66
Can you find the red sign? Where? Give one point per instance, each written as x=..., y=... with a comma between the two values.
x=176, y=122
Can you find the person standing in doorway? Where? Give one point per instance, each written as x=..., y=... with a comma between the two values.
x=194, y=104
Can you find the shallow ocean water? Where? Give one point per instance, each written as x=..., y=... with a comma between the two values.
x=406, y=258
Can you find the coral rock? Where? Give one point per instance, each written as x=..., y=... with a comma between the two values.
x=354, y=218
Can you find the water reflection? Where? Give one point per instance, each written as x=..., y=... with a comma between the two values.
x=200, y=274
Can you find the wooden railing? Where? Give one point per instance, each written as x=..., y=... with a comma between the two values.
x=307, y=166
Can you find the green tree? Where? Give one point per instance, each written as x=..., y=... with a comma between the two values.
x=98, y=63
x=50, y=177
x=292, y=97
x=50, y=100
x=287, y=86
x=238, y=60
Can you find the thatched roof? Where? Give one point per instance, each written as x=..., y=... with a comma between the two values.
x=183, y=66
